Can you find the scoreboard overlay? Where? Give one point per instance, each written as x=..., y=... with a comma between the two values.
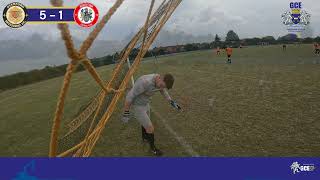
x=50, y=15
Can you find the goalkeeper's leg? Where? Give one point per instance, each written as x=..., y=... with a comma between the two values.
x=141, y=113
x=144, y=134
x=150, y=137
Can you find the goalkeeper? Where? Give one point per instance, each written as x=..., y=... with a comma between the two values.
x=138, y=99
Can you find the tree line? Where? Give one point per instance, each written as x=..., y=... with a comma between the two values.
x=232, y=40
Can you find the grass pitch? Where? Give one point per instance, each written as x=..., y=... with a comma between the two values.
x=266, y=103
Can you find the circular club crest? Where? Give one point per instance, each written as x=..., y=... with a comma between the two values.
x=86, y=14
x=15, y=15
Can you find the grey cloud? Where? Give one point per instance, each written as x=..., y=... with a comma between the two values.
x=247, y=17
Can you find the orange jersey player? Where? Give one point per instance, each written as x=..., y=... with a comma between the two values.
x=317, y=48
x=218, y=50
x=229, y=54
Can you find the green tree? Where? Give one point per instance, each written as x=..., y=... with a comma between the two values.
x=269, y=39
x=217, y=39
x=232, y=36
x=307, y=40
x=189, y=47
x=288, y=38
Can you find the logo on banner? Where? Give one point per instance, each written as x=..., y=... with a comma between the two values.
x=15, y=15
x=296, y=167
x=86, y=15
x=27, y=172
x=296, y=19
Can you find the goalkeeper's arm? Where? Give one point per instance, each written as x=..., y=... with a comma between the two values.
x=166, y=95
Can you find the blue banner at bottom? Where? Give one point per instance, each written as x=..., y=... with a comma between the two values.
x=159, y=168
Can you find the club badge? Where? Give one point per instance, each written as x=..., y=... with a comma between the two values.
x=86, y=15
x=15, y=15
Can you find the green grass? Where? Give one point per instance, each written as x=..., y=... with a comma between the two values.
x=267, y=103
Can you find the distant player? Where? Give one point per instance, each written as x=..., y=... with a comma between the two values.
x=218, y=50
x=229, y=54
x=317, y=48
x=138, y=99
x=284, y=47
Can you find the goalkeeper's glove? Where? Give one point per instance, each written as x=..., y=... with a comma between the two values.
x=125, y=117
x=175, y=105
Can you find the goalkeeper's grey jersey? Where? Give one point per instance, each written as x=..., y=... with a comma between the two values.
x=143, y=89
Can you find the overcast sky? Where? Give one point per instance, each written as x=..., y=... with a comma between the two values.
x=249, y=18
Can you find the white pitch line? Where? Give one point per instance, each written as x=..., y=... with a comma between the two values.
x=180, y=139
